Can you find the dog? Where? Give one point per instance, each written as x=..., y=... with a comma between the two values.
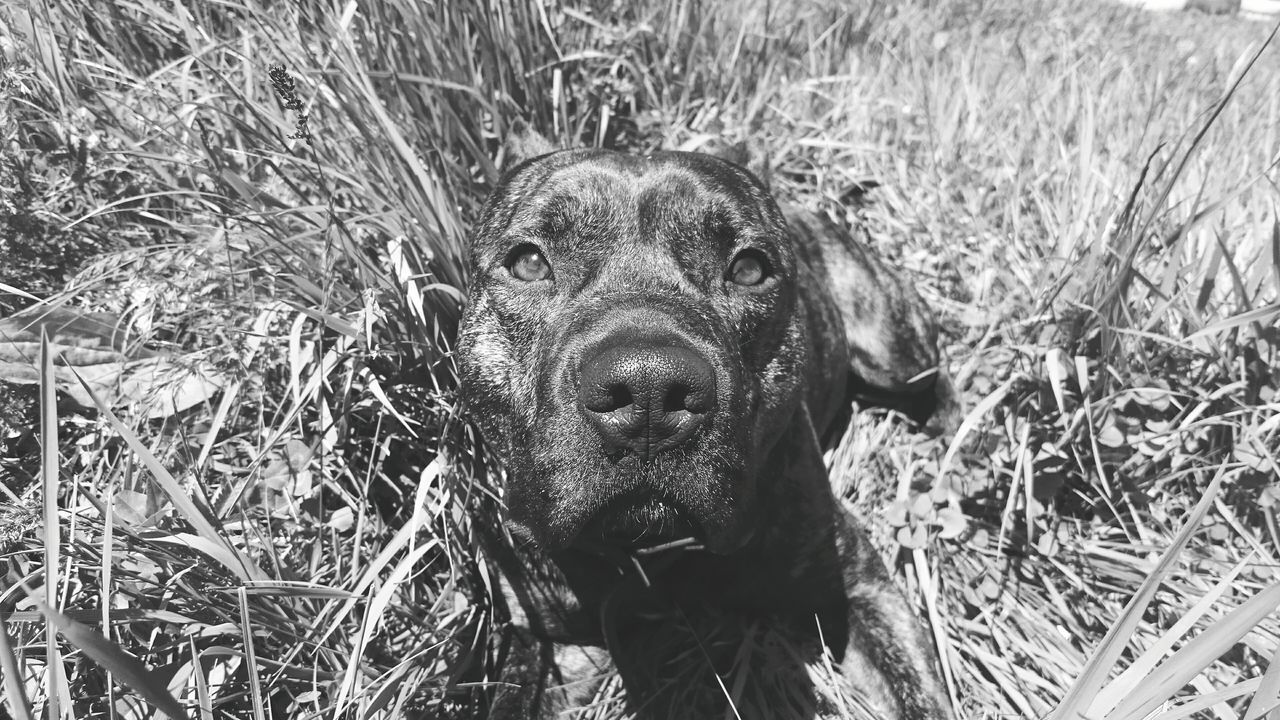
x=655, y=350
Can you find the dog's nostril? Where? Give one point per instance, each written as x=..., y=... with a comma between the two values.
x=675, y=399
x=686, y=397
x=621, y=396
x=610, y=398
x=696, y=399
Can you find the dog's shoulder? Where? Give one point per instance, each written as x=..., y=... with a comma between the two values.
x=890, y=335
x=827, y=373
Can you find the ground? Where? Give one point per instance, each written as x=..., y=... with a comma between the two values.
x=268, y=207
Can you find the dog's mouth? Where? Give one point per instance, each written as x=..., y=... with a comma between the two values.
x=641, y=522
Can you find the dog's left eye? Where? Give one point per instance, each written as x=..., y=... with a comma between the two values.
x=527, y=263
x=749, y=267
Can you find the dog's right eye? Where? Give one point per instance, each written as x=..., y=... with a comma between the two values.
x=527, y=263
x=750, y=267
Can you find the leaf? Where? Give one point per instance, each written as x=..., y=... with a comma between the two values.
x=909, y=537
x=98, y=348
x=131, y=507
x=1046, y=544
x=989, y=589
x=1055, y=363
x=1252, y=457
x=66, y=328
x=341, y=519
x=1153, y=397
x=953, y=522
x=896, y=513
x=921, y=506
x=1111, y=436
x=1267, y=498
x=941, y=491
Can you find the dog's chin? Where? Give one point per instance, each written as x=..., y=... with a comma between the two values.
x=679, y=500
x=644, y=523
x=650, y=526
x=637, y=523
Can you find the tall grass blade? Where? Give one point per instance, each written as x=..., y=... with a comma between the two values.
x=127, y=668
x=203, y=702
x=1084, y=690
x=105, y=567
x=373, y=617
x=1263, y=315
x=20, y=293
x=1267, y=696
x=1275, y=246
x=250, y=656
x=1124, y=684
x=13, y=690
x=1191, y=659
x=1202, y=703
x=49, y=468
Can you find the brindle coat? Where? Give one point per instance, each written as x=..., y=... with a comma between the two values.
x=638, y=250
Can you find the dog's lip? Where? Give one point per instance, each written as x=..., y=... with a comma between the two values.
x=640, y=520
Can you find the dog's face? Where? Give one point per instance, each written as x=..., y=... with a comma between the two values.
x=633, y=346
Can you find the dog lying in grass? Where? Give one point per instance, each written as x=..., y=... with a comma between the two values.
x=655, y=350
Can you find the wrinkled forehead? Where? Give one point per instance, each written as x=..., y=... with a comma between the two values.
x=598, y=191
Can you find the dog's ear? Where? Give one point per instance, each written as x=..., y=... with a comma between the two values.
x=750, y=154
x=523, y=143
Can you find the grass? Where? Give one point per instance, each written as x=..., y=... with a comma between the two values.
x=1084, y=192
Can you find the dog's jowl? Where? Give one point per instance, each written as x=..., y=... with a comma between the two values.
x=656, y=351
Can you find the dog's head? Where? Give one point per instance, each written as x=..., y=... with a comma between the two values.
x=633, y=345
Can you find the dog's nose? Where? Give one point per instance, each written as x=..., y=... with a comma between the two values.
x=646, y=398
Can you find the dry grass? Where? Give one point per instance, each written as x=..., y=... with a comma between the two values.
x=1083, y=192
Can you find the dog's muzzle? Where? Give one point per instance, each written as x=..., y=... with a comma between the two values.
x=645, y=396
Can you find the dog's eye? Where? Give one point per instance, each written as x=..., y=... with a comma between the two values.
x=527, y=263
x=749, y=267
